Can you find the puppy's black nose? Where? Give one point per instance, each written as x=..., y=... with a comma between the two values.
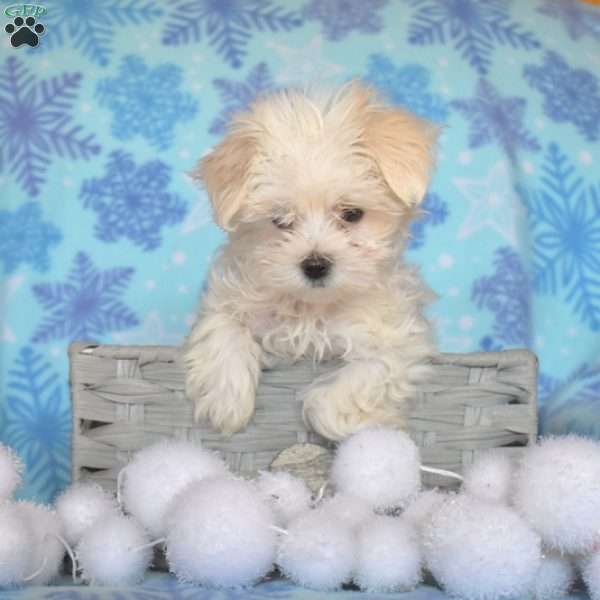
x=315, y=266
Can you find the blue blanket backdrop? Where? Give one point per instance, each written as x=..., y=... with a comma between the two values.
x=103, y=237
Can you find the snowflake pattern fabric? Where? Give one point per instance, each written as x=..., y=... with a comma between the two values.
x=87, y=305
x=473, y=27
x=145, y=101
x=569, y=94
x=341, y=17
x=227, y=26
x=237, y=96
x=25, y=238
x=498, y=119
x=406, y=86
x=132, y=201
x=104, y=235
x=36, y=124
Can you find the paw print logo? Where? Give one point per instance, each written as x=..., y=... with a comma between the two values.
x=24, y=31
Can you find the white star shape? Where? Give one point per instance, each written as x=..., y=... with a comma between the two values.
x=493, y=204
x=305, y=64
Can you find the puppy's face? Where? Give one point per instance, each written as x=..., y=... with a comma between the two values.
x=317, y=193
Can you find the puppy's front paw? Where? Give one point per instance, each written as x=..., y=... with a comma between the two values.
x=227, y=405
x=339, y=406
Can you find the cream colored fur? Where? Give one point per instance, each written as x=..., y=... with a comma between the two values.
x=302, y=159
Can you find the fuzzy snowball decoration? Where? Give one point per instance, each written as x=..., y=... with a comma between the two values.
x=481, y=550
x=557, y=490
x=318, y=551
x=220, y=534
x=555, y=577
x=350, y=510
x=11, y=468
x=16, y=542
x=388, y=555
x=158, y=473
x=47, y=551
x=382, y=466
x=590, y=571
x=489, y=477
x=289, y=496
x=114, y=551
x=422, y=506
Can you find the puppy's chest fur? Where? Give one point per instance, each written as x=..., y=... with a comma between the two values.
x=322, y=334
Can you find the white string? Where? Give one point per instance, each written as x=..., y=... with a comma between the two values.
x=320, y=494
x=278, y=529
x=70, y=553
x=119, y=485
x=443, y=472
x=150, y=544
x=36, y=573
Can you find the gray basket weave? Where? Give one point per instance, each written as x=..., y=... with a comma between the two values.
x=127, y=397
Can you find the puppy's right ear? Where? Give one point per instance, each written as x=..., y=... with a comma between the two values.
x=224, y=173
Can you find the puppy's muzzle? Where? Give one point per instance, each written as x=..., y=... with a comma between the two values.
x=316, y=267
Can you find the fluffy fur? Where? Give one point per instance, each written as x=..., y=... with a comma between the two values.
x=281, y=184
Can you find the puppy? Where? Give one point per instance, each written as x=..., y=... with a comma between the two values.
x=316, y=192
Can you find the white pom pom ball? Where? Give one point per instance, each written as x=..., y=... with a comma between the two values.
x=557, y=490
x=555, y=577
x=489, y=477
x=379, y=465
x=318, y=552
x=158, y=473
x=590, y=571
x=11, y=468
x=220, y=534
x=114, y=551
x=422, y=506
x=80, y=506
x=47, y=551
x=350, y=510
x=481, y=550
x=289, y=496
x=388, y=555
x=16, y=542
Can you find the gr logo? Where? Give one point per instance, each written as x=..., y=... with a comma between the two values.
x=24, y=10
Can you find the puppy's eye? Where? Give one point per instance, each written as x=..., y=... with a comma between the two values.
x=281, y=223
x=352, y=215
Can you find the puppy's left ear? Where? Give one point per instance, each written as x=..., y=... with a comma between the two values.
x=403, y=146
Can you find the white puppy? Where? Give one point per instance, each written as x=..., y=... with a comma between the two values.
x=316, y=192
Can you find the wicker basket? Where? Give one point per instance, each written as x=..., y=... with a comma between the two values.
x=127, y=397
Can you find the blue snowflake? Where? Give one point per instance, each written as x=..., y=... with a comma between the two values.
x=496, y=118
x=237, y=96
x=564, y=219
x=146, y=101
x=90, y=25
x=435, y=213
x=506, y=293
x=132, y=201
x=570, y=95
x=340, y=17
x=38, y=425
x=227, y=24
x=87, y=305
x=579, y=20
x=25, y=238
x=473, y=27
x=36, y=123
x=407, y=86
x=572, y=405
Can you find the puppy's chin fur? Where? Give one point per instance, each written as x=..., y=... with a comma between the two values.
x=334, y=178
